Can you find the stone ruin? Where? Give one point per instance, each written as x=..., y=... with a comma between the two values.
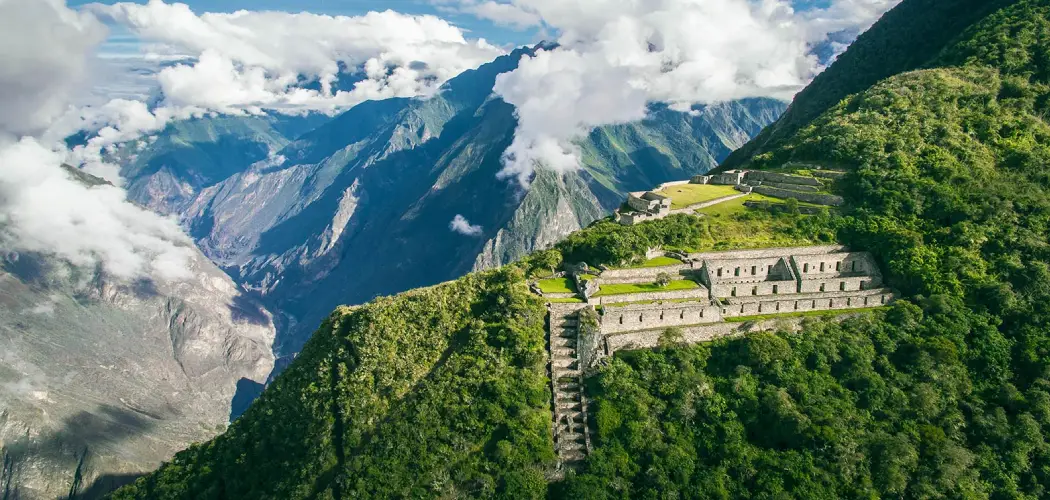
x=647, y=205
x=739, y=292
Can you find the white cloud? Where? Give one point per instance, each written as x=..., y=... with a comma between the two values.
x=257, y=60
x=42, y=208
x=615, y=56
x=44, y=51
x=503, y=14
x=463, y=226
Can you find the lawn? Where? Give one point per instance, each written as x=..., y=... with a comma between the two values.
x=568, y=300
x=835, y=312
x=736, y=206
x=556, y=285
x=655, y=301
x=623, y=288
x=690, y=194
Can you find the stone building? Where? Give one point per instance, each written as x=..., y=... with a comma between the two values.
x=644, y=205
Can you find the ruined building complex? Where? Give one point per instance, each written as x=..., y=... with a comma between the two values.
x=729, y=293
x=643, y=206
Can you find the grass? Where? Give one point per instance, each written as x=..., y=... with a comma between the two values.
x=836, y=312
x=655, y=301
x=567, y=300
x=690, y=194
x=588, y=277
x=736, y=206
x=556, y=285
x=624, y=288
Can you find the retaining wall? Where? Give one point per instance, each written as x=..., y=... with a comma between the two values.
x=782, y=178
x=630, y=317
x=802, y=188
x=754, y=288
x=695, y=334
x=641, y=274
x=839, y=284
x=761, y=253
x=819, y=199
x=735, y=307
x=695, y=293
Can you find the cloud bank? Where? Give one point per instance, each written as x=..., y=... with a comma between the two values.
x=43, y=208
x=463, y=226
x=615, y=57
x=260, y=60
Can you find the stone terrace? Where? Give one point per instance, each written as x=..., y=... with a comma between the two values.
x=737, y=292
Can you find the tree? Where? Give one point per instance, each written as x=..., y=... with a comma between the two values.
x=663, y=279
x=671, y=337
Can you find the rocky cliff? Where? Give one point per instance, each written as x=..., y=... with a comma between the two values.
x=102, y=380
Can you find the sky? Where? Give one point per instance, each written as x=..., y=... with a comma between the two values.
x=123, y=71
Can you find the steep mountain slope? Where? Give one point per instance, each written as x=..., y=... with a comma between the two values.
x=101, y=380
x=361, y=206
x=906, y=38
x=947, y=394
x=167, y=171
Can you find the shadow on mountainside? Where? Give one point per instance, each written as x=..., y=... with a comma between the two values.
x=73, y=445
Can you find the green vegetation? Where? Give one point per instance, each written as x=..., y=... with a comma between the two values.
x=655, y=301
x=439, y=392
x=565, y=300
x=803, y=314
x=946, y=394
x=654, y=262
x=622, y=288
x=684, y=195
x=735, y=207
x=556, y=285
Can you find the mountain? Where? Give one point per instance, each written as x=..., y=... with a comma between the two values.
x=437, y=392
x=101, y=380
x=361, y=206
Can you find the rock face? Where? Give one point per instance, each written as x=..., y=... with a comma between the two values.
x=361, y=206
x=101, y=381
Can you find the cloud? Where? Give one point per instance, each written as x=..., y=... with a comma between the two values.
x=503, y=14
x=44, y=50
x=43, y=208
x=615, y=57
x=463, y=226
x=260, y=60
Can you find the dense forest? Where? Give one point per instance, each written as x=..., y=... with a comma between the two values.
x=441, y=392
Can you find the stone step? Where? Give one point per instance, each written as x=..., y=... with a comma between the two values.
x=570, y=437
x=572, y=458
x=570, y=446
x=570, y=386
x=562, y=351
x=566, y=334
x=561, y=373
x=574, y=426
x=563, y=342
x=571, y=406
x=564, y=362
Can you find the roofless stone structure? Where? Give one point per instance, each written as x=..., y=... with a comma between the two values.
x=735, y=292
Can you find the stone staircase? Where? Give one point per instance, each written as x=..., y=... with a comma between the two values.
x=571, y=435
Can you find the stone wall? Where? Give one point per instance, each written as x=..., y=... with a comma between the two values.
x=782, y=178
x=756, y=287
x=768, y=252
x=695, y=293
x=649, y=339
x=838, y=284
x=632, y=218
x=819, y=199
x=630, y=317
x=642, y=274
x=793, y=187
x=833, y=264
x=669, y=184
x=750, y=306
